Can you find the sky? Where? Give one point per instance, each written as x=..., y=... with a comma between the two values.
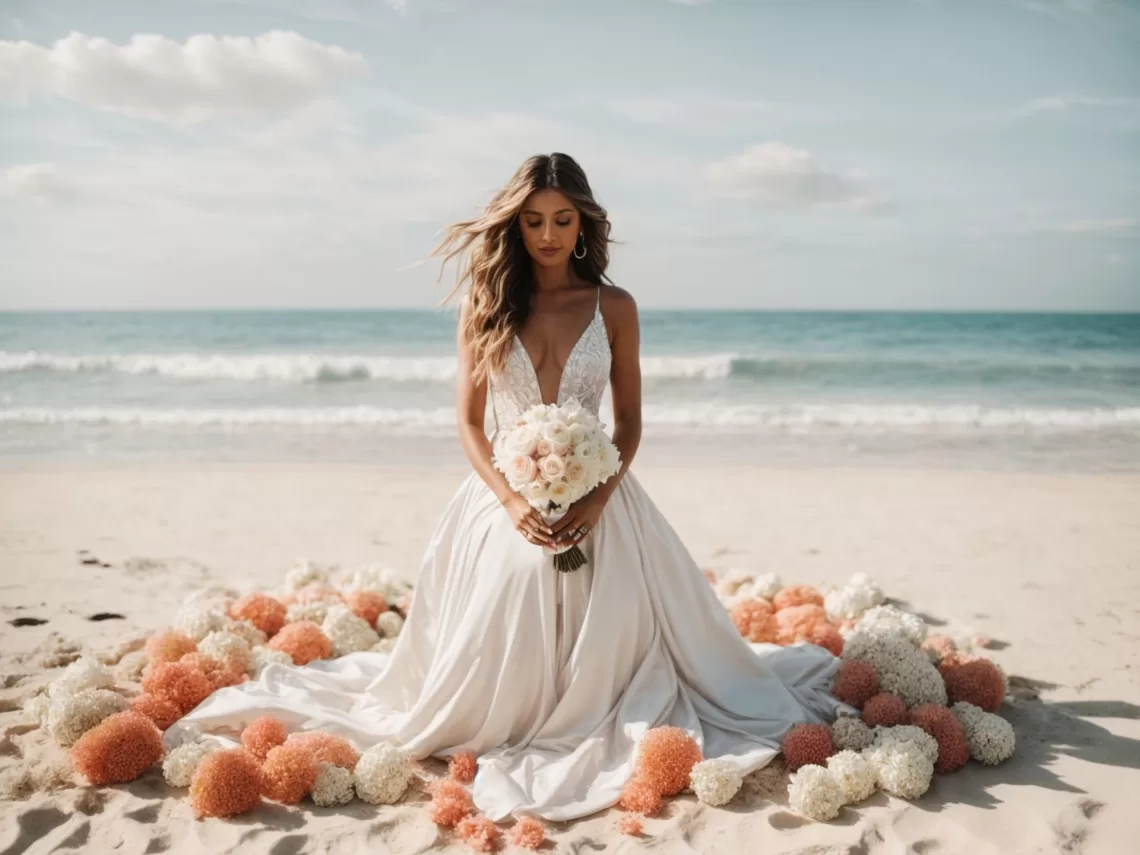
x=777, y=154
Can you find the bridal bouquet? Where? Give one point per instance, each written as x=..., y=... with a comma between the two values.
x=554, y=456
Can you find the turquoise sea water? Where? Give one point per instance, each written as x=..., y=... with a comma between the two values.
x=1044, y=390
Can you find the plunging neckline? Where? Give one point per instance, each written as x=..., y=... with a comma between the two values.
x=570, y=356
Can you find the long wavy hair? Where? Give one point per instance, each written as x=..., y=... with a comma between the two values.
x=497, y=268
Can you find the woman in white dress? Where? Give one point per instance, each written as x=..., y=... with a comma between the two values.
x=549, y=678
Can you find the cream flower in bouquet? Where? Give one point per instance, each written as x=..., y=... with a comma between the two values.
x=553, y=457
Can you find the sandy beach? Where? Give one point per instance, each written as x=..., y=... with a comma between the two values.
x=1046, y=565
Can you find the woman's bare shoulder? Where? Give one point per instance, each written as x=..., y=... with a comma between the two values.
x=618, y=300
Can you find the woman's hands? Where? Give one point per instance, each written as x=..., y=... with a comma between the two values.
x=580, y=519
x=528, y=521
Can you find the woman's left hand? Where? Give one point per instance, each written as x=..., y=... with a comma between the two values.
x=580, y=519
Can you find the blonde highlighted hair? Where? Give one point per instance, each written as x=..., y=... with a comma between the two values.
x=498, y=270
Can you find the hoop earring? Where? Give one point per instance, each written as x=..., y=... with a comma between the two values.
x=585, y=249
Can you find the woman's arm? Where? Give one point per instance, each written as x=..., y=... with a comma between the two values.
x=625, y=385
x=471, y=409
x=625, y=381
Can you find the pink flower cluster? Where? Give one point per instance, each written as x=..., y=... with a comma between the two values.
x=288, y=773
x=263, y=734
x=304, y=641
x=665, y=758
x=450, y=802
x=462, y=767
x=366, y=605
x=943, y=725
x=179, y=682
x=226, y=783
x=856, y=683
x=169, y=645
x=973, y=679
x=528, y=833
x=808, y=744
x=795, y=614
x=118, y=749
x=162, y=711
x=480, y=833
x=263, y=611
x=884, y=710
x=325, y=747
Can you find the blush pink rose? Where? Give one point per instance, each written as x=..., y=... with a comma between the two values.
x=523, y=469
x=552, y=466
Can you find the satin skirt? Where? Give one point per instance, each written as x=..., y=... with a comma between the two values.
x=549, y=678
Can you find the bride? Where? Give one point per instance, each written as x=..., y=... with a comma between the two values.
x=549, y=678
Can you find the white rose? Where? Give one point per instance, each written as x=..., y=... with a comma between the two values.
x=537, y=415
x=543, y=448
x=578, y=433
x=561, y=494
x=537, y=493
x=576, y=473
x=606, y=460
x=586, y=451
x=522, y=470
x=552, y=467
x=558, y=435
x=522, y=440
x=572, y=411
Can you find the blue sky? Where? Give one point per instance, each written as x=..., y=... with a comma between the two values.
x=866, y=154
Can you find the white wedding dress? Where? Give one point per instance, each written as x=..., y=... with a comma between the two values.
x=549, y=678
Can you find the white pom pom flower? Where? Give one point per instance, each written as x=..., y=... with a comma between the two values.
x=199, y=621
x=732, y=581
x=72, y=715
x=348, y=632
x=334, y=786
x=766, y=585
x=376, y=578
x=903, y=768
x=315, y=612
x=989, y=737
x=854, y=774
x=84, y=673
x=716, y=781
x=814, y=793
x=850, y=733
x=890, y=620
x=304, y=572
x=384, y=645
x=389, y=624
x=179, y=765
x=908, y=733
x=36, y=709
x=382, y=774
x=261, y=657
x=853, y=599
x=252, y=635
x=903, y=668
x=223, y=645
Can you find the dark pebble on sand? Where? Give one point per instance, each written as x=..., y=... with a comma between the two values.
x=106, y=616
x=27, y=621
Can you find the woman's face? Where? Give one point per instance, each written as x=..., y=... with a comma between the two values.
x=550, y=224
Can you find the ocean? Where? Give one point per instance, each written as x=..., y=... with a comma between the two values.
x=1036, y=391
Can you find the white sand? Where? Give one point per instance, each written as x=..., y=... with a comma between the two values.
x=1048, y=565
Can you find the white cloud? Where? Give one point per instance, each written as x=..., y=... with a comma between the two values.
x=37, y=182
x=685, y=109
x=204, y=78
x=778, y=173
x=1109, y=226
x=1066, y=103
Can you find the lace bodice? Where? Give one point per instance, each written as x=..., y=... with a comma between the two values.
x=515, y=388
